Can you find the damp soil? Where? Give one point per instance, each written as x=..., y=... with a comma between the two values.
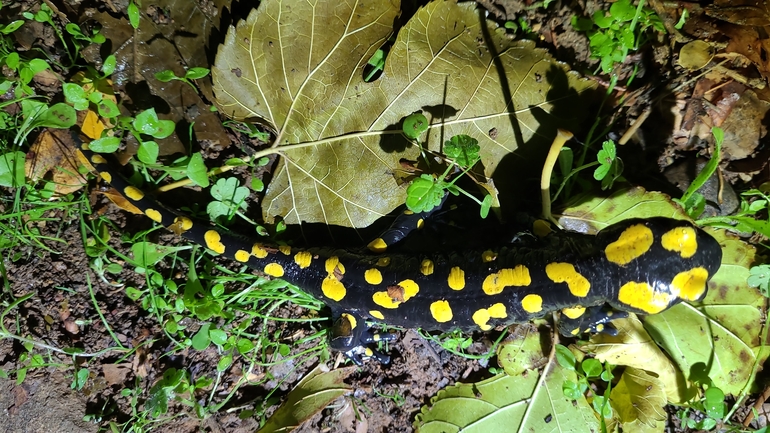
x=71, y=306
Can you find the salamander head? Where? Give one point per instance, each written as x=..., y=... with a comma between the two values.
x=659, y=261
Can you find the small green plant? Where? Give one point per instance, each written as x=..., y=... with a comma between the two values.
x=427, y=191
x=612, y=34
x=588, y=371
x=712, y=405
x=759, y=277
x=190, y=74
x=609, y=167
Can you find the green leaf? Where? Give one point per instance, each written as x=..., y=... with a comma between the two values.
x=75, y=95
x=224, y=363
x=197, y=170
x=229, y=191
x=12, y=27
x=104, y=145
x=108, y=67
x=565, y=357
x=217, y=336
x=60, y=116
x=423, y=194
x=201, y=340
x=464, y=149
x=148, y=152
x=133, y=14
x=414, y=125
x=147, y=254
x=196, y=73
x=12, y=60
x=107, y=108
x=591, y=367
x=165, y=76
x=12, y=169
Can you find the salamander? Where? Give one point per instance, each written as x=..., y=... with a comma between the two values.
x=637, y=265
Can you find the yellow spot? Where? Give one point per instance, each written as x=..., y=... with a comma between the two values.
x=351, y=319
x=242, y=256
x=383, y=261
x=488, y=256
x=303, y=259
x=377, y=246
x=566, y=273
x=481, y=318
x=333, y=289
x=285, y=249
x=183, y=223
x=575, y=331
x=408, y=212
x=154, y=215
x=420, y=223
x=498, y=311
x=376, y=314
x=541, y=228
x=106, y=176
x=456, y=278
x=426, y=267
x=642, y=296
x=258, y=252
x=683, y=240
x=133, y=193
x=396, y=294
x=600, y=327
x=214, y=241
x=274, y=270
x=98, y=159
x=495, y=283
x=333, y=265
x=632, y=243
x=368, y=352
x=690, y=285
x=532, y=303
x=376, y=338
x=573, y=312
x=441, y=311
x=384, y=300
x=373, y=276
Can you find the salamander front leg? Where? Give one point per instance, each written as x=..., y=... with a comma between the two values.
x=351, y=336
x=592, y=320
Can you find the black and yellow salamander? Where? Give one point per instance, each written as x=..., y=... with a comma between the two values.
x=637, y=265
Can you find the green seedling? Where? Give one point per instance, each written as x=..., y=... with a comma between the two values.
x=612, y=34
x=133, y=14
x=427, y=191
x=588, y=371
x=190, y=74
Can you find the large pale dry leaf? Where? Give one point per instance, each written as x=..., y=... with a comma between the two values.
x=296, y=66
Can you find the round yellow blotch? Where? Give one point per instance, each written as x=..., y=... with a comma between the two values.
x=368, y=352
x=333, y=265
x=373, y=276
x=410, y=289
x=498, y=311
x=441, y=311
x=98, y=159
x=333, y=289
x=154, y=215
x=541, y=228
x=420, y=224
x=377, y=246
x=565, y=273
x=600, y=328
x=376, y=314
x=183, y=223
x=426, y=267
x=573, y=312
x=274, y=270
x=285, y=249
x=456, y=278
x=303, y=259
x=258, y=251
x=642, y=296
x=106, y=176
x=632, y=243
x=481, y=318
x=384, y=300
x=682, y=240
x=488, y=256
x=408, y=212
x=690, y=285
x=383, y=261
x=532, y=303
x=495, y=283
x=133, y=193
x=351, y=319
x=214, y=241
x=242, y=256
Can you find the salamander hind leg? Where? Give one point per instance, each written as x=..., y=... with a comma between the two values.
x=351, y=336
x=576, y=321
